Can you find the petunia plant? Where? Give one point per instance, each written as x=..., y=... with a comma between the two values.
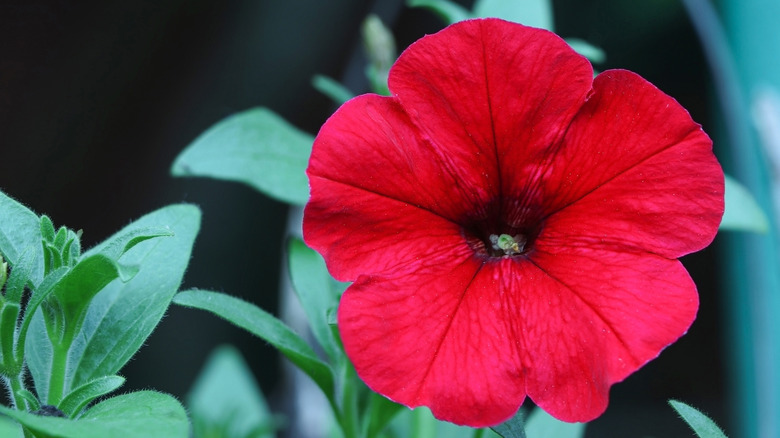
x=488, y=242
x=494, y=224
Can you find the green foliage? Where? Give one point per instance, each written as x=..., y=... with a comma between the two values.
x=379, y=413
x=225, y=401
x=588, y=50
x=80, y=397
x=512, y=428
x=331, y=88
x=536, y=13
x=85, y=317
x=540, y=424
x=448, y=11
x=380, y=49
x=255, y=147
x=19, y=230
x=123, y=314
x=700, y=423
x=62, y=248
x=742, y=211
x=144, y=414
x=317, y=294
x=265, y=326
x=419, y=422
x=21, y=275
x=10, y=428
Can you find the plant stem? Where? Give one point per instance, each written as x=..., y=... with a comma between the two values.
x=423, y=424
x=59, y=364
x=349, y=415
x=16, y=386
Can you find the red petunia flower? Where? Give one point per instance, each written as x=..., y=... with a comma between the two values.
x=511, y=225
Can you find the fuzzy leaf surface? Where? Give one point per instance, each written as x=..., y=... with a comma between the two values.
x=314, y=287
x=143, y=414
x=20, y=229
x=265, y=326
x=700, y=423
x=84, y=394
x=123, y=314
x=255, y=147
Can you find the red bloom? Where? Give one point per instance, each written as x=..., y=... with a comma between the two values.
x=511, y=225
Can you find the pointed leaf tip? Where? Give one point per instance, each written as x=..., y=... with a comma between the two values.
x=700, y=423
x=256, y=147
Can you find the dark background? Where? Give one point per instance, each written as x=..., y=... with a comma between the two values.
x=98, y=98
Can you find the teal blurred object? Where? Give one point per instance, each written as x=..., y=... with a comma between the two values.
x=745, y=62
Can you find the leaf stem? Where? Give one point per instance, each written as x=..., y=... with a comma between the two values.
x=16, y=386
x=59, y=364
x=423, y=424
x=348, y=415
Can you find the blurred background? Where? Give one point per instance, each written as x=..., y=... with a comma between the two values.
x=97, y=98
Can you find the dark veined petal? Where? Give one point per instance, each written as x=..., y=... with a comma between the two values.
x=487, y=92
x=437, y=336
x=635, y=173
x=368, y=234
x=378, y=199
x=601, y=315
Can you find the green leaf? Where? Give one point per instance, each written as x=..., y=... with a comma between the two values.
x=123, y=314
x=540, y=424
x=144, y=414
x=536, y=13
x=419, y=422
x=47, y=229
x=313, y=285
x=123, y=241
x=379, y=413
x=255, y=147
x=20, y=229
x=332, y=89
x=512, y=428
x=588, y=50
x=38, y=358
x=267, y=327
x=76, y=289
x=21, y=273
x=10, y=428
x=9, y=316
x=226, y=397
x=32, y=401
x=742, y=211
x=700, y=423
x=448, y=11
x=80, y=397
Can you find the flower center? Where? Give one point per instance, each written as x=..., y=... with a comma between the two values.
x=504, y=244
x=509, y=243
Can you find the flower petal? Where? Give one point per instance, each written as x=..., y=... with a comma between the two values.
x=435, y=337
x=595, y=317
x=378, y=198
x=490, y=91
x=367, y=234
x=635, y=172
